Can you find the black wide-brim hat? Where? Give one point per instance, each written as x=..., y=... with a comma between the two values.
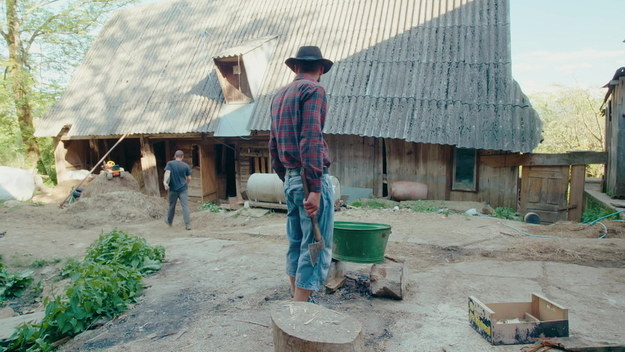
x=309, y=53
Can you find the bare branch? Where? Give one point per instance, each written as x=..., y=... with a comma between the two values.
x=38, y=6
x=41, y=29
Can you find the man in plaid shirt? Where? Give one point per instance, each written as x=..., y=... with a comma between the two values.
x=298, y=113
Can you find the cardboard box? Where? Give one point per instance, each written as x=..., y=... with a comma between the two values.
x=518, y=322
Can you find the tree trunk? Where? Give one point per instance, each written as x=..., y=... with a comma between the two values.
x=21, y=82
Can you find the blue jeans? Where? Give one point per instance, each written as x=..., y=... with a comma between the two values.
x=173, y=197
x=300, y=233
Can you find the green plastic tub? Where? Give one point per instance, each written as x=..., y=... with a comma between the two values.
x=360, y=242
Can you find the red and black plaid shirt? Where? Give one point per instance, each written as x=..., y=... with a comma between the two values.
x=298, y=113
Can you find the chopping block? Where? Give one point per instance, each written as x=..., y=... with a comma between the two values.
x=305, y=327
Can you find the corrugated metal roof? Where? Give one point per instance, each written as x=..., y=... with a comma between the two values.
x=428, y=71
x=244, y=48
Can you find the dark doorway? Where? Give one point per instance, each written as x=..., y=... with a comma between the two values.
x=225, y=165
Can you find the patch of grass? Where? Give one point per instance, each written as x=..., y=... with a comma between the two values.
x=595, y=212
x=506, y=213
x=374, y=203
x=212, y=207
x=424, y=206
x=369, y=205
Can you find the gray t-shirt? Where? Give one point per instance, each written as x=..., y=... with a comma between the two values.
x=179, y=171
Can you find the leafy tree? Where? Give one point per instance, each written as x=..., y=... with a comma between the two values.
x=571, y=121
x=43, y=40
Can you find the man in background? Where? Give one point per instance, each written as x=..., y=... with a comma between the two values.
x=176, y=181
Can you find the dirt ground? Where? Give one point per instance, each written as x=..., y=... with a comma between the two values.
x=223, y=278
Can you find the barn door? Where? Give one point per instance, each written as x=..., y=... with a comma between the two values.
x=544, y=192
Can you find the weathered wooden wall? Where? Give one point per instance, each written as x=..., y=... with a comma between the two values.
x=253, y=156
x=548, y=179
x=433, y=165
x=425, y=163
x=70, y=156
x=498, y=186
x=615, y=142
x=208, y=176
x=149, y=173
x=356, y=161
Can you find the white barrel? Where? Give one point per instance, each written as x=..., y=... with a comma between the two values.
x=268, y=188
x=336, y=187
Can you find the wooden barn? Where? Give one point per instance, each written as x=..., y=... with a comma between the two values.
x=421, y=90
x=614, y=111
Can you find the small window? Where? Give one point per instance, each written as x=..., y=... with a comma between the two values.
x=233, y=79
x=465, y=170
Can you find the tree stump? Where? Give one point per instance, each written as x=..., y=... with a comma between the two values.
x=307, y=327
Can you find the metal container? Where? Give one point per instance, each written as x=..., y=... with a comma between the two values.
x=269, y=188
x=360, y=242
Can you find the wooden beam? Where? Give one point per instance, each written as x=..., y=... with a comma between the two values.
x=572, y=158
x=148, y=168
x=580, y=344
x=576, y=198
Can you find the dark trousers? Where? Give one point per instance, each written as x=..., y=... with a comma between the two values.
x=173, y=197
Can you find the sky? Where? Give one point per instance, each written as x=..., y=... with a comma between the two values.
x=572, y=43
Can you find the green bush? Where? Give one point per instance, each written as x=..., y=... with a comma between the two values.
x=101, y=286
x=131, y=251
x=13, y=285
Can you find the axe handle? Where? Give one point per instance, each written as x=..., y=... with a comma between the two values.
x=313, y=218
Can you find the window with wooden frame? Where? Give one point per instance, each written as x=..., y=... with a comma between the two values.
x=233, y=79
x=465, y=170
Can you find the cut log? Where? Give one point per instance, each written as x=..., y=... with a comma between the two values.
x=387, y=280
x=336, y=275
x=579, y=344
x=307, y=327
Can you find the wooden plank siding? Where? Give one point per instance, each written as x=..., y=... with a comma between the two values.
x=208, y=175
x=252, y=156
x=425, y=163
x=433, y=165
x=354, y=161
x=615, y=142
x=498, y=186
